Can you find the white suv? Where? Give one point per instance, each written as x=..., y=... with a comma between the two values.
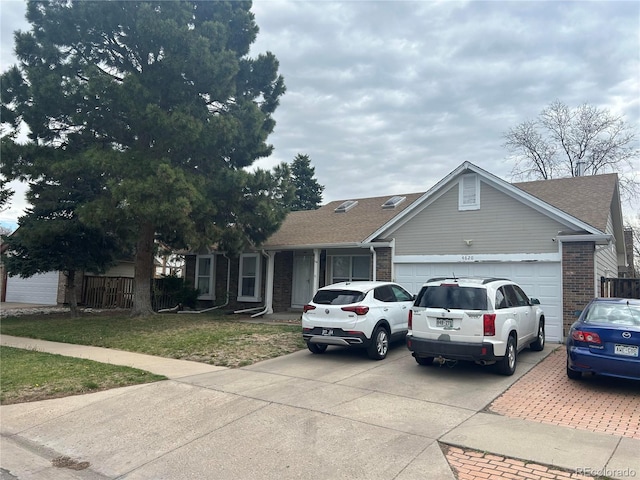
x=485, y=320
x=357, y=314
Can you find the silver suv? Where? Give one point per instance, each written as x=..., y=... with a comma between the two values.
x=357, y=314
x=484, y=320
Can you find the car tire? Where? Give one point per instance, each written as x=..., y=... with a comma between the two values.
x=573, y=374
x=379, y=344
x=424, y=360
x=538, y=344
x=507, y=364
x=316, y=347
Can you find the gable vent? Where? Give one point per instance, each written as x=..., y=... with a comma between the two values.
x=346, y=206
x=393, y=202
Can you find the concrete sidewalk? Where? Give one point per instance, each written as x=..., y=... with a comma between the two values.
x=168, y=367
x=337, y=415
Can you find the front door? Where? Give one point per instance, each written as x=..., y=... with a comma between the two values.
x=302, y=290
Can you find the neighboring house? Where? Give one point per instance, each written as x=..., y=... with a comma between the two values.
x=554, y=237
x=50, y=288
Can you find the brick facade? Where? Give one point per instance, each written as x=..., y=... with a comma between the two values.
x=282, y=281
x=578, y=279
x=383, y=264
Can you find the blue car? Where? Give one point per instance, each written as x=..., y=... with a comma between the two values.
x=605, y=340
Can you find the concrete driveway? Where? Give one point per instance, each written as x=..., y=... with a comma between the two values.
x=337, y=415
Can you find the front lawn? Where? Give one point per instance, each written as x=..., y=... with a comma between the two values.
x=215, y=338
x=29, y=375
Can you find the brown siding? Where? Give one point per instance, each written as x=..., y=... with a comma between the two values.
x=578, y=279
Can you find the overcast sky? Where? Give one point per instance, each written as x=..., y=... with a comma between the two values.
x=388, y=97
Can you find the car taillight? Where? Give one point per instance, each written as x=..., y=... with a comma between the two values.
x=489, y=324
x=358, y=309
x=588, y=337
x=410, y=319
x=308, y=307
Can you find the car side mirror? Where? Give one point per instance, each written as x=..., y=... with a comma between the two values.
x=534, y=301
x=577, y=313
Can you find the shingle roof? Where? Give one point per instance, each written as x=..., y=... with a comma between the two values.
x=586, y=198
x=326, y=227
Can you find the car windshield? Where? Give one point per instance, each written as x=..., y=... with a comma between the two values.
x=614, y=313
x=452, y=296
x=338, y=297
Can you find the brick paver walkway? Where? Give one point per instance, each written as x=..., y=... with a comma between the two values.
x=546, y=395
x=472, y=465
x=594, y=403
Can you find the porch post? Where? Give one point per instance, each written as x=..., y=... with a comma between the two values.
x=268, y=303
x=316, y=270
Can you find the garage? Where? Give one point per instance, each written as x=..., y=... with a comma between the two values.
x=41, y=289
x=541, y=280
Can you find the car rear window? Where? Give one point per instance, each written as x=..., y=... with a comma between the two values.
x=614, y=313
x=452, y=297
x=338, y=297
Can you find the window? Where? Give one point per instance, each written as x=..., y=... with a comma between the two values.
x=469, y=192
x=204, y=277
x=348, y=268
x=401, y=294
x=249, y=281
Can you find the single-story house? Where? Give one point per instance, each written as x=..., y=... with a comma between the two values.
x=554, y=237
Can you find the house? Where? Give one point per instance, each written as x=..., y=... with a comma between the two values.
x=50, y=288
x=554, y=237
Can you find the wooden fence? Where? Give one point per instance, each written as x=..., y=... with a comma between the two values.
x=620, y=287
x=117, y=292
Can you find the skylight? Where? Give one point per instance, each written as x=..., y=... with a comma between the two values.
x=393, y=202
x=346, y=206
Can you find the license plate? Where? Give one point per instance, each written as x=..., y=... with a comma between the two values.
x=627, y=350
x=444, y=322
x=327, y=331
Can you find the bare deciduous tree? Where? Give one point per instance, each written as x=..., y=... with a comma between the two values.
x=568, y=142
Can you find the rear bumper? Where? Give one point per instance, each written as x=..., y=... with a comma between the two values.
x=452, y=350
x=581, y=359
x=338, y=337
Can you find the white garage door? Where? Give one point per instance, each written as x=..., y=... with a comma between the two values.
x=41, y=289
x=541, y=280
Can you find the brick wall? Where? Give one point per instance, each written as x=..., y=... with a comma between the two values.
x=282, y=281
x=383, y=264
x=577, y=279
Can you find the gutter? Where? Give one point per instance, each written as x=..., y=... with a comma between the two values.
x=602, y=239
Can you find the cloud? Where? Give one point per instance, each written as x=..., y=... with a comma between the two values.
x=390, y=96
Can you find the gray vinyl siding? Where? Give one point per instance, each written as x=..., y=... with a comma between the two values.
x=501, y=225
x=605, y=258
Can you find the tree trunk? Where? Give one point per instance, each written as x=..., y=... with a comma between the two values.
x=72, y=298
x=143, y=271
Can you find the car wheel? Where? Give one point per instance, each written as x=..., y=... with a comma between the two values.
x=538, y=344
x=424, y=360
x=316, y=347
x=572, y=374
x=507, y=365
x=379, y=344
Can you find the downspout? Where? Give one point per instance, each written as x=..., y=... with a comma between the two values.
x=217, y=306
x=375, y=259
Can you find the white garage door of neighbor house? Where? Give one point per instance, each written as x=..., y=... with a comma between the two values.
x=41, y=289
x=541, y=280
